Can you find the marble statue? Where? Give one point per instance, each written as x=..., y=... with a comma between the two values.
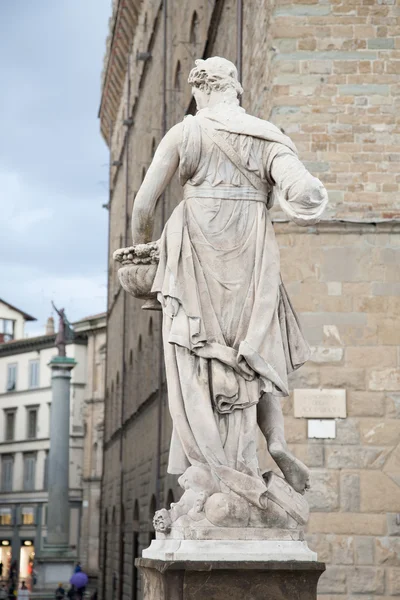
x=231, y=336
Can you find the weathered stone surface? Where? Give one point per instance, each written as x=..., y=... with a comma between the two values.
x=321, y=545
x=392, y=466
x=388, y=551
x=365, y=404
x=380, y=432
x=355, y=457
x=333, y=580
x=364, y=550
x=394, y=582
x=342, y=549
x=392, y=402
x=349, y=492
x=347, y=432
x=321, y=354
x=384, y=379
x=370, y=356
x=192, y=581
x=378, y=492
x=324, y=494
x=310, y=454
x=347, y=523
x=364, y=580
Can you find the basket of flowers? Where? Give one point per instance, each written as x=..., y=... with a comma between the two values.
x=138, y=269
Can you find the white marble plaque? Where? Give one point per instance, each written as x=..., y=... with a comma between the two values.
x=321, y=428
x=320, y=404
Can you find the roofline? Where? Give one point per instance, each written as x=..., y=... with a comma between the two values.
x=37, y=343
x=21, y=312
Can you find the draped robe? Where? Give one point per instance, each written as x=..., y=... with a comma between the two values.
x=230, y=332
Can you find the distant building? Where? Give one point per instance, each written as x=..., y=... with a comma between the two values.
x=327, y=74
x=12, y=322
x=25, y=404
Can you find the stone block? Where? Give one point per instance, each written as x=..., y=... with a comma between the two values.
x=295, y=430
x=333, y=580
x=388, y=551
x=378, y=492
x=392, y=466
x=384, y=379
x=349, y=492
x=347, y=523
x=371, y=356
x=367, y=89
x=385, y=289
x=310, y=454
x=347, y=432
x=393, y=523
x=356, y=457
x=326, y=355
x=334, y=288
x=324, y=493
x=380, y=432
x=343, y=377
x=342, y=549
x=320, y=544
x=364, y=550
x=380, y=43
x=365, y=580
x=393, y=579
x=365, y=404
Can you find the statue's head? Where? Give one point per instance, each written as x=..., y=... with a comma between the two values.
x=215, y=79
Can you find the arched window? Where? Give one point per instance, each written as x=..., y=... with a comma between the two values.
x=143, y=173
x=194, y=26
x=140, y=343
x=153, y=147
x=178, y=77
x=145, y=23
x=151, y=326
x=131, y=358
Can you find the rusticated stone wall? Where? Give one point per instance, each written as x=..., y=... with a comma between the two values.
x=327, y=73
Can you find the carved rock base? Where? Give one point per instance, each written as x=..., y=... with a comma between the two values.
x=183, y=580
x=229, y=550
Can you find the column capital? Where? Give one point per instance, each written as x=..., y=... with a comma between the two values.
x=65, y=363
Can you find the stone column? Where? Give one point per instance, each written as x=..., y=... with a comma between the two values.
x=55, y=560
x=58, y=504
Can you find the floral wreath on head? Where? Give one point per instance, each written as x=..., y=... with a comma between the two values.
x=215, y=78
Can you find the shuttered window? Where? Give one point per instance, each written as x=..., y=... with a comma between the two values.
x=34, y=373
x=7, y=470
x=29, y=471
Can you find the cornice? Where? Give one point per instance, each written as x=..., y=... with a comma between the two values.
x=37, y=343
x=122, y=29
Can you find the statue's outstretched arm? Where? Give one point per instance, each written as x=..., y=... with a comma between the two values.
x=301, y=195
x=158, y=176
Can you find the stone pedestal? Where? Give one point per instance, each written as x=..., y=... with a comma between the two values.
x=228, y=580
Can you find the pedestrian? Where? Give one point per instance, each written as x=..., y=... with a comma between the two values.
x=71, y=593
x=23, y=592
x=94, y=595
x=1, y=569
x=78, y=568
x=3, y=592
x=60, y=592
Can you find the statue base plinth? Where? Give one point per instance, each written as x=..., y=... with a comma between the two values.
x=219, y=580
x=229, y=550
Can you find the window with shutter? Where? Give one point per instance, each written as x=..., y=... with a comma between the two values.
x=11, y=377
x=29, y=471
x=7, y=468
x=46, y=472
x=33, y=373
x=10, y=425
x=32, y=423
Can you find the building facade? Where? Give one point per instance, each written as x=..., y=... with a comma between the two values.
x=25, y=403
x=326, y=72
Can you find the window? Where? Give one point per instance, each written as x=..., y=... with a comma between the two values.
x=29, y=471
x=178, y=76
x=194, y=28
x=5, y=516
x=32, y=423
x=10, y=425
x=11, y=377
x=7, y=330
x=7, y=468
x=34, y=373
x=28, y=515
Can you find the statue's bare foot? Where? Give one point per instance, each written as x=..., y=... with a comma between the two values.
x=295, y=472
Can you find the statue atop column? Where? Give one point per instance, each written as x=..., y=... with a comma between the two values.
x=231, y=336
x=64, y=333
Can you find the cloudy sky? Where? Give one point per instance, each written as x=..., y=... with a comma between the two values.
x=53, y=161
